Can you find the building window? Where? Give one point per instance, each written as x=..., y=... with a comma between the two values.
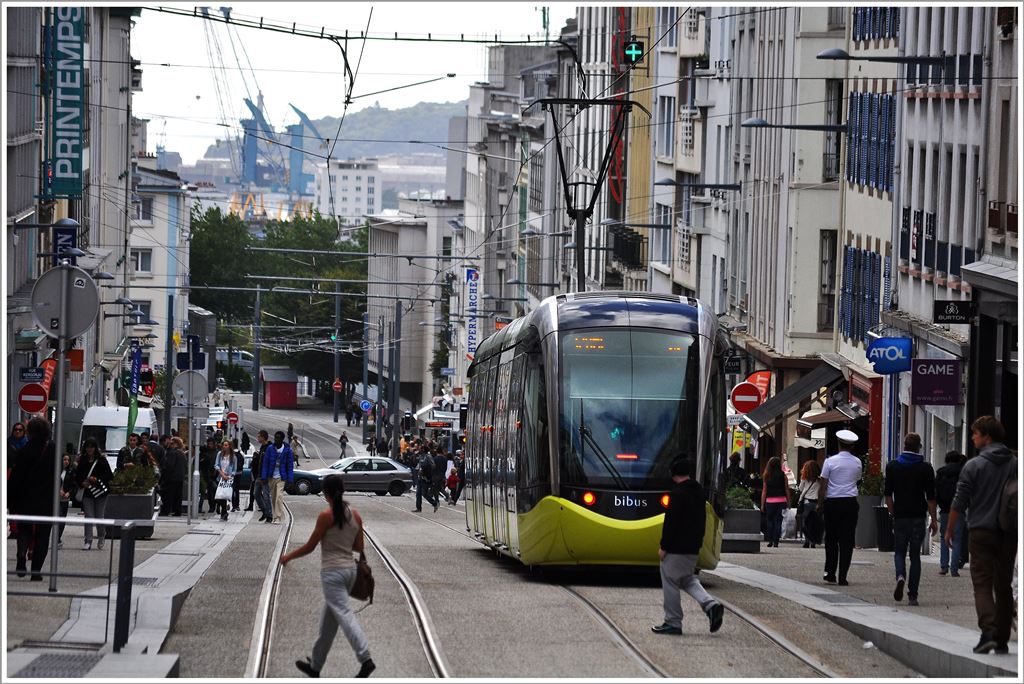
x=359, y=178
x=359, y=188
x=369, y=191
x=144, y=306
x=142, y=260
x=666, y=24
x=666, y=126
x=661, y=238
x=144, y=209
x=536, y=184
x=827, y=280
x=369, y=179
x=833, y=107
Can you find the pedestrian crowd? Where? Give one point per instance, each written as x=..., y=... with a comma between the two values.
x=971, y=504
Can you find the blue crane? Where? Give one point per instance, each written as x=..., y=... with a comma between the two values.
x=268, y=131
x=297, y=180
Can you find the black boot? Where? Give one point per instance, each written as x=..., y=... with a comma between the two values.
x=366, y=668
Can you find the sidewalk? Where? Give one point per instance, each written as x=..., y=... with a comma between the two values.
x=935, y=638
x=171, y=564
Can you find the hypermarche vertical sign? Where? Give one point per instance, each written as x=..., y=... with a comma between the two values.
x=472, y=300
x=67, y=89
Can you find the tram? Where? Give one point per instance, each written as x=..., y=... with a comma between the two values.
x=576, y=412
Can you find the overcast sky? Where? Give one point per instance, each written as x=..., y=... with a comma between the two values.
x=308, y=72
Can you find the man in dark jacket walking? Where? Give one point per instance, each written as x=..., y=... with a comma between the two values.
x=909, y=495
x=440, y=474
x=173, y=474
x=258, y=491
x=945, y=489
x=681, y=538
x=30, y=492
x=423, y=486
x=992, y=548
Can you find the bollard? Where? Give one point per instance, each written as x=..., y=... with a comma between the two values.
x=125, y=571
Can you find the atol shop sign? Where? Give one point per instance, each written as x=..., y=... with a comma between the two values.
x=935, y=382
x=890, y=354
x=66, y=84
x=472, y=300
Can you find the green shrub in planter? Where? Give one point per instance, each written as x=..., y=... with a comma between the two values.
x=872, y=484
x=737, y=497
x=135, y=480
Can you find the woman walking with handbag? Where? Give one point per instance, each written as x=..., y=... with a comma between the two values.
x=774, y=499
x=93, y=476
x=807, y=506
x=225, y=465
x=339, y=533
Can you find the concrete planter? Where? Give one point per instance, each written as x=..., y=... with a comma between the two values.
x=742, y=531
x=137, y=507
x=867, y=527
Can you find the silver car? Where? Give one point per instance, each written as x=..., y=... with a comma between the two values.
x=371, y=474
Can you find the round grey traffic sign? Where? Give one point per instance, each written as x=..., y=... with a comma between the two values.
x=189, y=388
x=83, y=303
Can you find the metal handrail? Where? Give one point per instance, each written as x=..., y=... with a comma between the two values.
x=125, y=572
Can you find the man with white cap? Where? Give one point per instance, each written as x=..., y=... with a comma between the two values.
x=839, y=478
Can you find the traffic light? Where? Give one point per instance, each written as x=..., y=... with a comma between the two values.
x=334, y=337
x=220, y=424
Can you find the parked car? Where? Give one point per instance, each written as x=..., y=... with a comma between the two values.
x=305, y=482
x=371, y=474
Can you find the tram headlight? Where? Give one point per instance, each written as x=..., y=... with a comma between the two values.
x=589, y=498
x=664, y=500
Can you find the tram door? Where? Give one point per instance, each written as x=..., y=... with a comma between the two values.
x=486, y=452
x=474, y=465
x=499, y=454
x=514, y=450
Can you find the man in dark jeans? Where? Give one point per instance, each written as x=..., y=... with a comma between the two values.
x=992, y=548
x=909, y=495
x=423, y=488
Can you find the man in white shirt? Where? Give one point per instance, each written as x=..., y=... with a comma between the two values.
x=839, y=478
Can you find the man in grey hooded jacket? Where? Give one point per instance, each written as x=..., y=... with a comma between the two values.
x=992, y=549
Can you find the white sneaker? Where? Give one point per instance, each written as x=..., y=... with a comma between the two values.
x=87, y=546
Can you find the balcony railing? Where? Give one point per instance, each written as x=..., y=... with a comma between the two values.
x=836, y=18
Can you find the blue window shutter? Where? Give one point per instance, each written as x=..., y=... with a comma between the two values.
x=873, y=140
x=896, y=23
x=875, y=288
x=845, y=314
x=862, y=163
x=893, y=103
x=883, y=142
x=856, y=23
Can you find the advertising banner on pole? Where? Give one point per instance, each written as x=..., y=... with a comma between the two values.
x=66, y=85
x=133, y=391
x=472, y=300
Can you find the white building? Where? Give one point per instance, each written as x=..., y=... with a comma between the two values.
x=158, y=258
x=418, y=229
x=352, y=191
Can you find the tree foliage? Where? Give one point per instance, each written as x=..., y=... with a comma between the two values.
x=217, y=257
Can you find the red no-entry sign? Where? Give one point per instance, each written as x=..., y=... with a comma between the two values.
x=32, y=398
x=233, y=418
x=745, y=397
x=337, y=385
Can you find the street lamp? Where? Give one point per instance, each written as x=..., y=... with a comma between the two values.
x=137, y=313
x=698, y=186
x=596, y=248
x=517, y=281
x=943, y=61
x=615, y=222
x=488, y=295
x=758, y=122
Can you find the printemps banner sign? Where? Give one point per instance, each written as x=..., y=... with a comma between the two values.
x=65, y=43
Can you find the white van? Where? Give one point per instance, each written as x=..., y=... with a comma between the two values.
x=108, y=425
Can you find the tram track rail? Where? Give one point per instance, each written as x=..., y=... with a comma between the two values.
x=780, y=641
x=618, y=635
x=429, y=639
x=263, y=629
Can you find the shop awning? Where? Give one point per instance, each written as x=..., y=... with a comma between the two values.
x=775, y=409
x=810, y=420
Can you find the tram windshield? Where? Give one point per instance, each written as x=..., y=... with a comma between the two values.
x=628, y=406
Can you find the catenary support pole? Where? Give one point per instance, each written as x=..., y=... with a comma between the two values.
x=337, y=352
x=169, y=366
x=256, y=355
x=366, y=366
x=396, y=382
x=58, y=433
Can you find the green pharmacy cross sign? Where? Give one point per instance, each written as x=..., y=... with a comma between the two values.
x=633, y=51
